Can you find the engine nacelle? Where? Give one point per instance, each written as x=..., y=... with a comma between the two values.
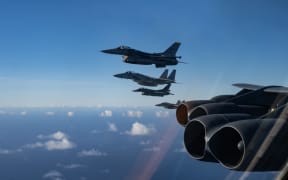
x=198, y=131
x=183, y=110
x=251, y=145
x=222, y=108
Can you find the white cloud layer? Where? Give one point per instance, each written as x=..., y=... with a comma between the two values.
x=50, y=113
x=152, y=149
x=112, y=127
x=161, y=114
x=70, y=114
x=23, y=113
x=55, y=141
x=91, y=152
x=8, y=151
x=70, y=166
x=139, y=129
x=106, y=113
x=133, y=114
x=53, y=175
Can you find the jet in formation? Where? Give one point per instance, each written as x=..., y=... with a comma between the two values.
x=147, y=80
x=168, y=105
x=246, y=131
x=150, y=92
x=133, y=56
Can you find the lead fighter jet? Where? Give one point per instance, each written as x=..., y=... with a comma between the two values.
x=150, y=92
x=133, y=56
x=147, y=80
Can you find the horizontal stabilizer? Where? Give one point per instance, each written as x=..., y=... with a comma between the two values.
x=252, y=87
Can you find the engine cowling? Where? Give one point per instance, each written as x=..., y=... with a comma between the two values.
x=198, y=131
x=222, y=108
x=251, y=145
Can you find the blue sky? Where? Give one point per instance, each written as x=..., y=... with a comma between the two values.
x=50, y=50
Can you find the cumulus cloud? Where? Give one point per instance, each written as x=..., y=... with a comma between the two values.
x=91, y=152
x=53, y=175
x=106, y=113
x=112, y=127
x=152, y=149
x=70, y=114
x=55, y=141
x=133, y=114
x=70, y=166
x=139, y=129
x=50, y=113
x=161, y=114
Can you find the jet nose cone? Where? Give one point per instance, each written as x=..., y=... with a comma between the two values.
x=112, y=51
x=117, y=75
x=136, y=90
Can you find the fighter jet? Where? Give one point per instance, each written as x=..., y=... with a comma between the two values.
x=246, y=132
x=133, y=56
x=150, y=92
x=168, y=105
x=147, y=80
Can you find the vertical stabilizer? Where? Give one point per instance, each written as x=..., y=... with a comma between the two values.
x=172, y=75
x=172, y=50
x=164, y=74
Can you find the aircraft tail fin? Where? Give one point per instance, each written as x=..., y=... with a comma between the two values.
x=164, y=74
x=172, y=75
x=167, y=87
x=172, y=50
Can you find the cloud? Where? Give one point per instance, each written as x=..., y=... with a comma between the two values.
x=53, y=175
x=70, y=114
x=139, y=129
x=91, y=152
x=8, y=151
x=23, y=113
x=106, y=113
x=112, y=127
x=133, y=114
x=70, y=166
x=162, y=114
x=50, y=113
x=152, y=149
x=95, y=131
x=55, y=141
x=145, y=142
x=180, y=150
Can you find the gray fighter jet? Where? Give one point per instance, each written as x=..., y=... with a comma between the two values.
x=134, y=56
x=150, y=92
x=147, y=80
x=168, y=105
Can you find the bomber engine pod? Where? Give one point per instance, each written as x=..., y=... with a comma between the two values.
x=221, y=108
x=184, y=110
x=251, y=145
x=198, y=131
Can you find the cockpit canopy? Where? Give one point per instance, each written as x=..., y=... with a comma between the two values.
x=124, y=47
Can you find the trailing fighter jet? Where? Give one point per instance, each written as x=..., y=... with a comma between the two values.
x=133, y=56
x=147, y=80
x=168, y=105
x=150, y=92
x=247, y=131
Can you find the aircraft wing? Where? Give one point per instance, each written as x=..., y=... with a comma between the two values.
x=282, y=90
x=252, y=87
